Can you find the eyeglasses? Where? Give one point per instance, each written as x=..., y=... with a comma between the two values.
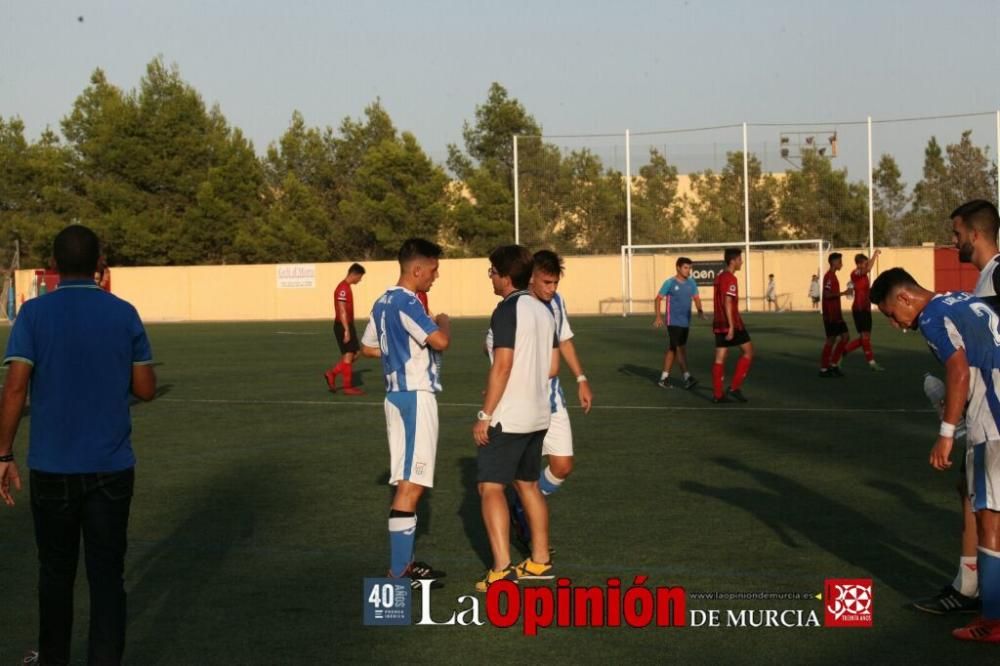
x=492, y=271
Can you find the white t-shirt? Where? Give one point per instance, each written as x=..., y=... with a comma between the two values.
x=523, y=323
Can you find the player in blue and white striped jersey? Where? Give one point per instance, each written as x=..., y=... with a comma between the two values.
x=963, y=332
x=409, y=342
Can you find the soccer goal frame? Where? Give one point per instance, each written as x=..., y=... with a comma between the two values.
x=628, y=252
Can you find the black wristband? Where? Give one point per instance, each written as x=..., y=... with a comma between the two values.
x=7, y=458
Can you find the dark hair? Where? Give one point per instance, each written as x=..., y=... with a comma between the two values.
x=833, y=257
x=515, y=262
x=76, y=250
x=887, y=282
x=980, y=215
x=771, y=275
x=683, y=261
x=858, y=258
x=356, y=268
x=731, y=253
x=416, y=248
x=548, y=262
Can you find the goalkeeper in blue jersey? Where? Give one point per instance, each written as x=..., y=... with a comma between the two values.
x=963, y=332
x=677, y=292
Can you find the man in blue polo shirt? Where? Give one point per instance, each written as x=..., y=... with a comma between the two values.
x=82, y=351
x=678, y=292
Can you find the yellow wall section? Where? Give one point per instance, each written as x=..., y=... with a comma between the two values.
x=591, y=285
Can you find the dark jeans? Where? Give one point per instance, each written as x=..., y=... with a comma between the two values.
x=64, y=506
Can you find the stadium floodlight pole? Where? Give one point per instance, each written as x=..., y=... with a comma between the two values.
x=628, y=211
x=871, y=193
x=517, y=200
x=746, y=214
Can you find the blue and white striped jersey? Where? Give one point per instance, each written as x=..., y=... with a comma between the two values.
x=557, y=306
x=956, y=321
x=399, y=327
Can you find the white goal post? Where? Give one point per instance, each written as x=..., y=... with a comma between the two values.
x=629, y=251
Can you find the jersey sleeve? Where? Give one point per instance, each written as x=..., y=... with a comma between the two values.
x=729, y=286
x=566, y=332
x=942, y=336
x=504, y=326
x=370, y=337
x=342, y=294
x=665, y=288
x=20, y=346
x=415, y=320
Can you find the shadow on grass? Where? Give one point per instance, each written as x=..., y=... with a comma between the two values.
x=791, y=509
x=470, y=511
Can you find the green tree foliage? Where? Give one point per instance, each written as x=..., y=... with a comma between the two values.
x=961, y=172
x=891, y=200
x=818, y=201
x=657, y=213
x=716, y=205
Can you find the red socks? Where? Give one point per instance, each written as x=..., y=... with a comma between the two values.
x=742, y=368
x=838, y=351
x=852, y=345
x=717, y=372
x=866, y=344
x=347, y=369
x=824, y=360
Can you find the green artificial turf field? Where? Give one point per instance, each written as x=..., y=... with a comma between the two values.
x=261, y=503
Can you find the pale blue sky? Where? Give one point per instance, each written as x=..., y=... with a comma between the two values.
x=578, y=67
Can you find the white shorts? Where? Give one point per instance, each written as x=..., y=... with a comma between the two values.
x=559, y=438
x=982, y=471
x=411, y=420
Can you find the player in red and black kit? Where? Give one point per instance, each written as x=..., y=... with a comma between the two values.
x=833, y=320
x=729, y=330
x=861, y=309
x=343, y=330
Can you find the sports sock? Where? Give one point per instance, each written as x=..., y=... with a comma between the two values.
x=866, y=344
x=967, y=579
x=348, y=372
x=548, y=482
x=687, y=376
x=717, y=372
x=824, y=359
x=402, y=536
x=852, y=345
x=838, y=351
x=663, y=376
x=989, y=585
x=740, y=374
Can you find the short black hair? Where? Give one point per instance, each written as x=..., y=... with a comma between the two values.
x=771, y=275
x=356, y=268
x=731, y=253
x=416, y=248
x=979, y=214
x=548, y=262
x=683, y=261
x=858, y=258
x=76, y=250
x=833, y=257
x=515, y=262
x=887, y=282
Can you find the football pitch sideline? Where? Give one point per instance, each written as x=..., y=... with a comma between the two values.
x=261, y=504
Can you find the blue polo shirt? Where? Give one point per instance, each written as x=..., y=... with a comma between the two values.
x=679, y=295
x=81, y=342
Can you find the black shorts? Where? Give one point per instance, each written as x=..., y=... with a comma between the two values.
x=740, y=337
x=678, y=336
x=510, y=456
x=862, y=320
x=835, y=328
x=352, y=347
